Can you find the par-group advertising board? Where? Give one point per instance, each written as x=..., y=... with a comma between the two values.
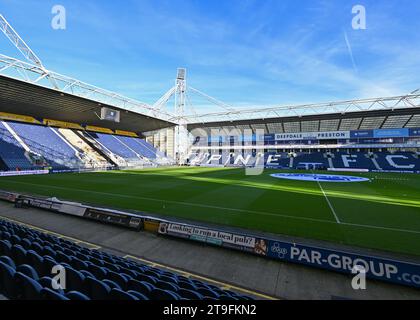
x=377, y=268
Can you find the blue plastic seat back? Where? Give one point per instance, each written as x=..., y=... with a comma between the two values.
x=26, y=243
x=159, y=294
x=208, y=293
x=118, y=278
x=7, y=260
x=138, y=295
x=74, y=279
x=190, y=294
x=96, y=289
x=49, y=294
x=140, y=286
x=7, y=284
x=5, y=247
x=18, y=254
x=187, y=285
x=28, y=271
x=111, y=284
x=98, y=272
x=75, y=295
x=27, y=288
x=117, y=294
x=167, y=286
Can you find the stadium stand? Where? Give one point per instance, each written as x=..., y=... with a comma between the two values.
x=27, y=257
x=91, y=157
x=138, y=146
x=114, y=145
x=11, y=153
x=315, y=160
x=27, y=146
x=49, y=144
x=320, y=160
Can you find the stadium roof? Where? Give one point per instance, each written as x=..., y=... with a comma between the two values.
x=25, y=98
x=411, y=100
x=361, y=120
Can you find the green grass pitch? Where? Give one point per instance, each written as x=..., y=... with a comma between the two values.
x=381, y=214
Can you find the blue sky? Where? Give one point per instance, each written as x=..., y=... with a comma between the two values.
x=248, y=53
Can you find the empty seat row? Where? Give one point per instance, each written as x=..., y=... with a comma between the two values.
x=89, y=273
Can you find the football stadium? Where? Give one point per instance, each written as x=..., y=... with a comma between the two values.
x=106, y=197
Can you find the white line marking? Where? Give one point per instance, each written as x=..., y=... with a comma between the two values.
x=380, y=228
x=329, y=203
x=189, y=204
x=231, y=209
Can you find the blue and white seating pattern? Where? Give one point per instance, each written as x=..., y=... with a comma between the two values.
x=27, y=257
x=377, y=161
x=47, y=143
x=11, y=153
x=139, y=146
x=58, y=152
x=114, y=145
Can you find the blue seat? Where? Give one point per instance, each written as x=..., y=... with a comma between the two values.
x=75, y=295
x=6, y=236
x=48, y=264
x=5, y=247
x=159, y=294
x=78, y=264
x=18, y=254
x=138, y=295
x=7, y=284
x=170, y=279
x=27, y=288
x=37, y=247
x=96, y=289
x=166, y=286
x=15, y=239
x=149, y=279
x=82, y=256
x=98, y=262
x=208, y=293
x=74, y=280
x=117, y=294
x=117, y=278
x=27, y=270
x=49, y=294
x=187, y=285
x=26, y=243
x=48, y=251
x=152, y=273
x=139, y=286
x=111, y=284
x=131, y=273
x=98, y=272
x=189, y=294
x=112, y=267
x=62, y=257
x=87, y=274
x=36, y=261
x=7, y=260
x=47, y=282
